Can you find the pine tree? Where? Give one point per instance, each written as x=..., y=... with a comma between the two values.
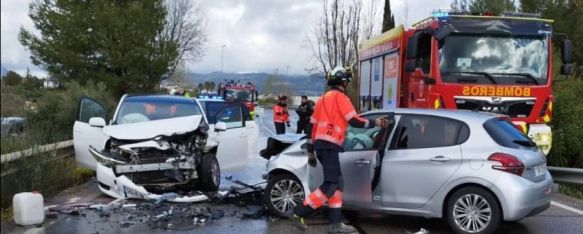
x=110, y=41
x=388, y=17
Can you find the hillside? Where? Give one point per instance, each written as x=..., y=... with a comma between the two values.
x=302, y=85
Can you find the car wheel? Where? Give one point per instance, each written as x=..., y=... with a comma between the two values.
x=282, y=193
x=473, y=210
x=209, y=173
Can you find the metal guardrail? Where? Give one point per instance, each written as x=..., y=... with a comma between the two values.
x=567, y=175
x=9, y=157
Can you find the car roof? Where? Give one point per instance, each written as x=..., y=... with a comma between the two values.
x=449, y=113
x=159, y=98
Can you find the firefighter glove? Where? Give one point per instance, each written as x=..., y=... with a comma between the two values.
x=312, y=161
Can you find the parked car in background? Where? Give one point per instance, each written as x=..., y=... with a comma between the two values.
x=473, y=169
x=12, y=125
x=155, y=144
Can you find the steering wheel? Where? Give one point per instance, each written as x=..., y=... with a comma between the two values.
x=133, y=118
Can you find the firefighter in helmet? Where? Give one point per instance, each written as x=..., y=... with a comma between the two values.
x=332, y=115
x=281, y=115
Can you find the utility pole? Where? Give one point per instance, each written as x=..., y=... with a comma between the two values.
x=287, y=70
x=223, y=58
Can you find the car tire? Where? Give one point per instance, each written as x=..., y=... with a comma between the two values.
x=209, y=173
x=473, y=210
x=282, y=193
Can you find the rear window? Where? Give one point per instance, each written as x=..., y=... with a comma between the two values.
x=506, y=134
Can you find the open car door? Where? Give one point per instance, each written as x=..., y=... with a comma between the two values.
x=232, y=149
x=85, y=135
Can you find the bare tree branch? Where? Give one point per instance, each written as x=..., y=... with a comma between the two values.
x=186, y=26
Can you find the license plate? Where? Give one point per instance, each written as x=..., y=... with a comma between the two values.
x=539, y=170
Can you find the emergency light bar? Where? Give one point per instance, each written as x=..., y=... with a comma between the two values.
x=442, y=14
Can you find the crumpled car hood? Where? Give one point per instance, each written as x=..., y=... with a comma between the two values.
x=150, y=129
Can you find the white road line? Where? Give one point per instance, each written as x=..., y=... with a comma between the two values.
x=566, y=207
x=263, y=125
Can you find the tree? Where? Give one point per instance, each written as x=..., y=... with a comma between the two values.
x=531, y=6
x=371, y=19
x=388, y=17
x=110, y=41
x=334, y=40
x=493, y=6
x=13, y=78
x=186, y=27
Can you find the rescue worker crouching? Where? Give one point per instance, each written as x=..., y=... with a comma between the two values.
x=332, y=115
x=280, y=115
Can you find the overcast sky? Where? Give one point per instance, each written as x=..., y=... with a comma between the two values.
x=260, y=35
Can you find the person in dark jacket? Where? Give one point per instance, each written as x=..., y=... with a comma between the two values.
x=304, y=112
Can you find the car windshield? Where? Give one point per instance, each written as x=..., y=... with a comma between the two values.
x=494, y=59
x=133, y=111
x=238, y=95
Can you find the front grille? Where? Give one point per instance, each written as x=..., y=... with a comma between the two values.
x=512, y=108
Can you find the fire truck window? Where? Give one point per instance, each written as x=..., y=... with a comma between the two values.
x=424, y=53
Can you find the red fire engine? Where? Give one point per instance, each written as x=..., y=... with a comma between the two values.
x=238, y=92
x=480, y=62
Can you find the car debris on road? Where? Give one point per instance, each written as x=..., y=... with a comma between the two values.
x=163, y=214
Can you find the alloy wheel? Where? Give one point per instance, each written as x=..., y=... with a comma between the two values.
x=286, y=194
x=472, y=213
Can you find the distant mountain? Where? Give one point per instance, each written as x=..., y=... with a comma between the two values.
x=301, y=84
x=3, y=71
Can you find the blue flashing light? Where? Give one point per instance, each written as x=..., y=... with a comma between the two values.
x=440, y=14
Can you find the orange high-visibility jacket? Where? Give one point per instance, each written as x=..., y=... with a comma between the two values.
x=280, y=114
x=331, y=115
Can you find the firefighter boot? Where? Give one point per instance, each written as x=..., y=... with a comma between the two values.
x=340, y=228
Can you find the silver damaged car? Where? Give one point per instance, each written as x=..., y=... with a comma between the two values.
x=475, y=170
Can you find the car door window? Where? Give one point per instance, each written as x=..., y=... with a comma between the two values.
x=213, y=108
x=232, y=116
x=363, y=138
x=89, y=108
x=421, y=131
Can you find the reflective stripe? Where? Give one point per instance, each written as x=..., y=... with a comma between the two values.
x=328, y=138
x=336, y=200
x=326, y=124
x=350, y=115
x=316, y=199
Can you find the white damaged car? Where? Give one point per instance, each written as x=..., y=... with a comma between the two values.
x=156, y=144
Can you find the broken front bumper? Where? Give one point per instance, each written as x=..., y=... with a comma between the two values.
x=120, y=186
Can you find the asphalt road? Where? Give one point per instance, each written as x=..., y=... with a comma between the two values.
x=557, y=219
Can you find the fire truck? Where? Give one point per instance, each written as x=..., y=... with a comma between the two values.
x=238, y=92
x=472, y=61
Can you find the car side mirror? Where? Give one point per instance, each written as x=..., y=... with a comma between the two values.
x=220, y=127
x=567, y=52
x=567, y=58
x=97, y=122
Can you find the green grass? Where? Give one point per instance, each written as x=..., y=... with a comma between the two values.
x=572, y=190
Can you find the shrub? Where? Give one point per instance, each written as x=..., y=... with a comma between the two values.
x=567, y=124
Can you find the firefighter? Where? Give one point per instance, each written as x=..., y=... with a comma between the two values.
x=304, y=112
x=332, y=114
x=281, y=115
